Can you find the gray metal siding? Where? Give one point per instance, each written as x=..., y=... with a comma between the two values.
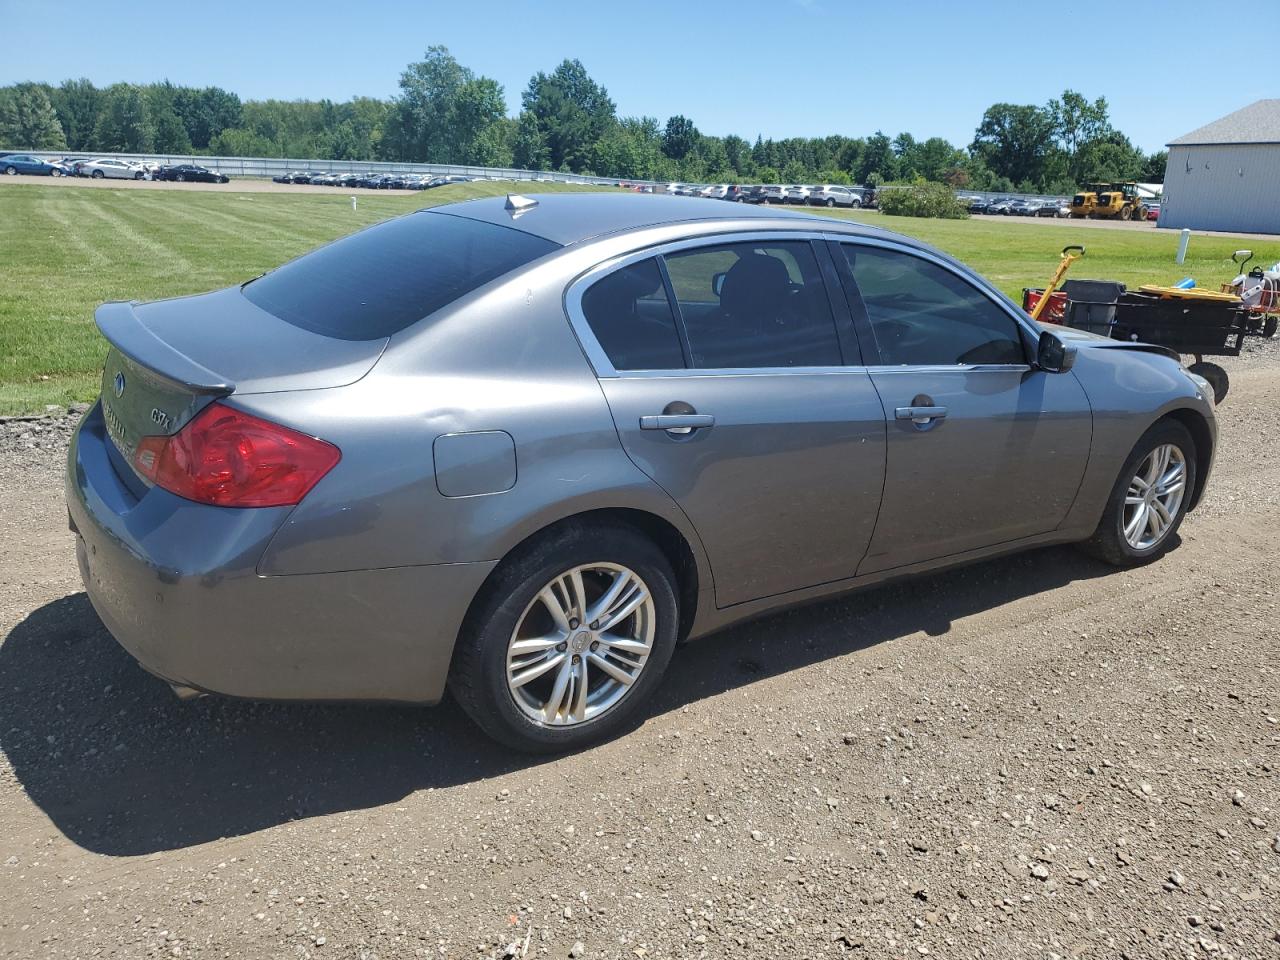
x=1233, y=187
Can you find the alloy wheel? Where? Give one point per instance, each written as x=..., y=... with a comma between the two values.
x=1154, y=497
x=581, y=643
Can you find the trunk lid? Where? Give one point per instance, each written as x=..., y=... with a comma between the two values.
x=170, y=358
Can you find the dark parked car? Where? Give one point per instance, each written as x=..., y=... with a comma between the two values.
x=293, y=176
x=523, y=447
x=14, y=163
x=190, y=173
x=1053, y=208
x=1001, y=205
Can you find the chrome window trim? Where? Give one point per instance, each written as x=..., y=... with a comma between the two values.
x=600, y=361
x=983, y=286
x=950, y=368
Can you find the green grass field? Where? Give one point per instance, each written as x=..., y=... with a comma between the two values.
x=69, y=249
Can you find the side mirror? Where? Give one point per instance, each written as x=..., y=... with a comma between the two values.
x=717, y=283
x=1053, y=355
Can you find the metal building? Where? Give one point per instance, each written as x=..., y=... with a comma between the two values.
x=1226, y=175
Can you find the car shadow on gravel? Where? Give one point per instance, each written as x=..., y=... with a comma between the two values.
x=123, y=768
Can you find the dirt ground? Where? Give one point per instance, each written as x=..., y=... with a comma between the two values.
x=1036, y=757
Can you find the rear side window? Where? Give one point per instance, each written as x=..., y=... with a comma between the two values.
x=377, y=282
x=630, y=315
x=755, y=305
x=924, y=315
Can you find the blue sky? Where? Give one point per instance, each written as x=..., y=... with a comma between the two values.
x=781, y=68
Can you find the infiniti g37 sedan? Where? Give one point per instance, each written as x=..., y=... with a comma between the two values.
x=520, y=449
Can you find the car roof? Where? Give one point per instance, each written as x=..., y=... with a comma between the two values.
x=568, y=218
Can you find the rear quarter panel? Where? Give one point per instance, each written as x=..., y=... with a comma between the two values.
x=501, y=360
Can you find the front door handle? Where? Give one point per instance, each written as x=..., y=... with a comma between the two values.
x=922, y=416
x=677, y=424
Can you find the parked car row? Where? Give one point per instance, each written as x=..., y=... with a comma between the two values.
x=107, y=168
x=1017, y=206
x=371, y=181
x=820, y=195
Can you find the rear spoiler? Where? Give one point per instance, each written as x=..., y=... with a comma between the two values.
x=122, y=328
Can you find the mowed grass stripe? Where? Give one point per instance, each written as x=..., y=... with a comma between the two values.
x=116, y=215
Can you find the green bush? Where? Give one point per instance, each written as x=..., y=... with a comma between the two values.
x=922, y=199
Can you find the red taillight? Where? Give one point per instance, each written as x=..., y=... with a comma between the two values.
x=230, y=459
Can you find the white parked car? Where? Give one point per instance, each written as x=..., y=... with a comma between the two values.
x=716, y=191
x=775, y=193
x=798, y=194
x=834, y=195
x=114, y=169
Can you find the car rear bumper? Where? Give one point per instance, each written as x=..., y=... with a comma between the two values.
x=175, y=584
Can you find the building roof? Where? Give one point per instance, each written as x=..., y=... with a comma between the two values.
x=1257, y=123
x=566, y=218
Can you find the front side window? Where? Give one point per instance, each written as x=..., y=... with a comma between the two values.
x=925, y=315
x=760, y=304
x=630, y=315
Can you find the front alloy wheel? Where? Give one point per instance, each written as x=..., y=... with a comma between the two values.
x=1149, y=499
x=581, y=644
x=1155, y=497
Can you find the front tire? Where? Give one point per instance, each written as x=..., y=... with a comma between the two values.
x=569, y=638
x=1149, y=500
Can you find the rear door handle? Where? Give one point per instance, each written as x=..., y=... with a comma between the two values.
x=920, y=415
x=678, y=424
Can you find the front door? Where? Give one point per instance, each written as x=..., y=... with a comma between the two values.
x=737, y=402
x=982, y=447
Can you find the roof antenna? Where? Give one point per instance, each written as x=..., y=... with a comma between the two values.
x=517, y=205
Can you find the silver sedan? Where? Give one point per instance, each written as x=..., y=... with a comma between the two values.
x=521, y=448
x=111, y=168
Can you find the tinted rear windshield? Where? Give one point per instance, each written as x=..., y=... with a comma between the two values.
x=377, y=282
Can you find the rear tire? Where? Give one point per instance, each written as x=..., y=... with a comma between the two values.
x=1110, y=542
x=98, y=175
x=1269, y=327
x=480, y=676
x=11, y=171
x=830, y=202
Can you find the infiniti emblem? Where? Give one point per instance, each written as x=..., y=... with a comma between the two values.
x=119, y=384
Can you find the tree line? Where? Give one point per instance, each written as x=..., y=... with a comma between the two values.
x=446, y=113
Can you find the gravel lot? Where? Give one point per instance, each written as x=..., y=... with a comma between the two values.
x=1032, y=757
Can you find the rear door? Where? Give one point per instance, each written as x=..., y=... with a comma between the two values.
x=724, y=367
x=983, y=448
